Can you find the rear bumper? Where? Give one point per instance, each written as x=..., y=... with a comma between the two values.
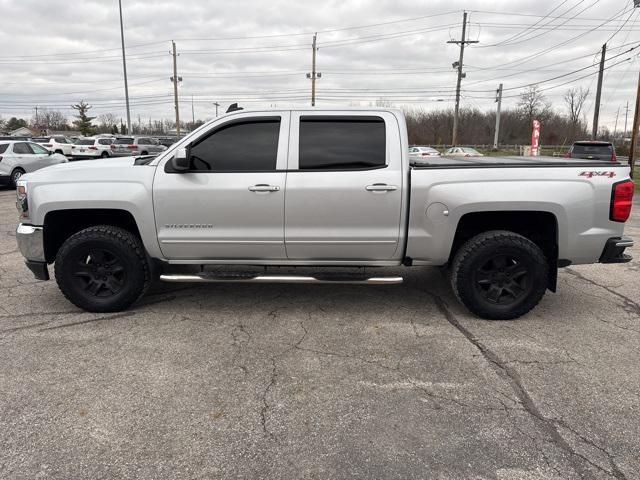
x=614, y=250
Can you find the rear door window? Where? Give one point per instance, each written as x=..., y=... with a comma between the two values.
x=342, y=143
x=3, y=147
x=22, y=148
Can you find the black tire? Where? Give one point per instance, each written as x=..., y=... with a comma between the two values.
x=102, y=269
x=59, y=152
x=104, y=155
x=499, y=275
x=15, y=176
x=144, y=153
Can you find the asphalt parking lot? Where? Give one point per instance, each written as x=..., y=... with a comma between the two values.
x=282, y=381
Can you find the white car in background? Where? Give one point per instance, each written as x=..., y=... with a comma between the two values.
x=92, y=147
x=422, y=153
x=20, y=157
x=462, y=152
x=57, y=144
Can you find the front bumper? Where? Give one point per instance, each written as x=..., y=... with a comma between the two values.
x=31, y=244
x=614, y=250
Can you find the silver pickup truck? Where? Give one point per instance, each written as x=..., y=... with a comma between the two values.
x=319, y=188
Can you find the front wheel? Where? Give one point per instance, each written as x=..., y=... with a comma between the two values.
x=499, y=275
x=102, y=269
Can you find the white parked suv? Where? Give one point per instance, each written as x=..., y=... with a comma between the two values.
x=92, y=147
x=58, y=144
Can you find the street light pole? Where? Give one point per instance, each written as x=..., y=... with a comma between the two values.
x=124, y=69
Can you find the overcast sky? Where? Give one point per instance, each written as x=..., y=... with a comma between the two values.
x=57, y=52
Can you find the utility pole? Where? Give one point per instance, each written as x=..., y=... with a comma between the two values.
x=124, y=69
x=499, y=100
x=314, y=75
x=458, y=65
x=193, y=113
x=626, y=116
x=175, y=79
x=634, y=133
x=596, y=112
x=37, y=121
x=216, y=105
x=615, y=128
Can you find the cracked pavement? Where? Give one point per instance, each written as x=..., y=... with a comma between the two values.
x=303, y=381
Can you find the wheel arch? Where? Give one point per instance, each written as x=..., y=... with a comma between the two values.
x=59, y=225
x=541, y=227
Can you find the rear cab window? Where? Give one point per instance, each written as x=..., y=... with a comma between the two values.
x=592, y=149
x=341, y=143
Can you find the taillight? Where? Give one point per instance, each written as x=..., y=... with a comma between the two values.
x=425, y=154
x=112, y=147
x=133, y=147
x=93, y=148
x=614, y=157
x=621, y=201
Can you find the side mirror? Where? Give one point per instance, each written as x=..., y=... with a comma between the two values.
x=49, y=152
x=180, y=161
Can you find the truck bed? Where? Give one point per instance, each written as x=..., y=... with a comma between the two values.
x=479, y=162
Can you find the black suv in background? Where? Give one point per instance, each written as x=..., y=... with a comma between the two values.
x=592, y=150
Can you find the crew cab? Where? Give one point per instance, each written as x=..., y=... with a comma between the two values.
x=319, y=188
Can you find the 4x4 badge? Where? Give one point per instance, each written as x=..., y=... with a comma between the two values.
x=598, y=174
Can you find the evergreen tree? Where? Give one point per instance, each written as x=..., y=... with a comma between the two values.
x=84, y=120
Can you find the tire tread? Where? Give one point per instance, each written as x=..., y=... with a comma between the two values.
x=125, y=239
x=486, y=240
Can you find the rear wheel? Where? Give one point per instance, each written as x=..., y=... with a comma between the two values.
x=499, y=275
x=102, y=269
x=104, y=155
x=15, y=176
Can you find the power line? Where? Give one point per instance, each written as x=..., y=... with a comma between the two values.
x=515, y=36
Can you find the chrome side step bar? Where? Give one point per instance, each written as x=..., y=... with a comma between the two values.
x=235, y=278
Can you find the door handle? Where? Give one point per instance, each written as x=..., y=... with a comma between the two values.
x=264, y=188
x=380, y=187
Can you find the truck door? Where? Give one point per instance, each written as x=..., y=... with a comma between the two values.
x=344, y=187
x=230, y=205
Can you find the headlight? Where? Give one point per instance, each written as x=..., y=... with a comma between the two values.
x=21, y=198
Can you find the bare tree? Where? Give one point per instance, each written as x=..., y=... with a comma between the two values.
x=107, y=120
x=574, y=99
x=49, y=120
x=532, y=103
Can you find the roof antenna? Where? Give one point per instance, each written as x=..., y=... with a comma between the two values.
x=234, y=108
